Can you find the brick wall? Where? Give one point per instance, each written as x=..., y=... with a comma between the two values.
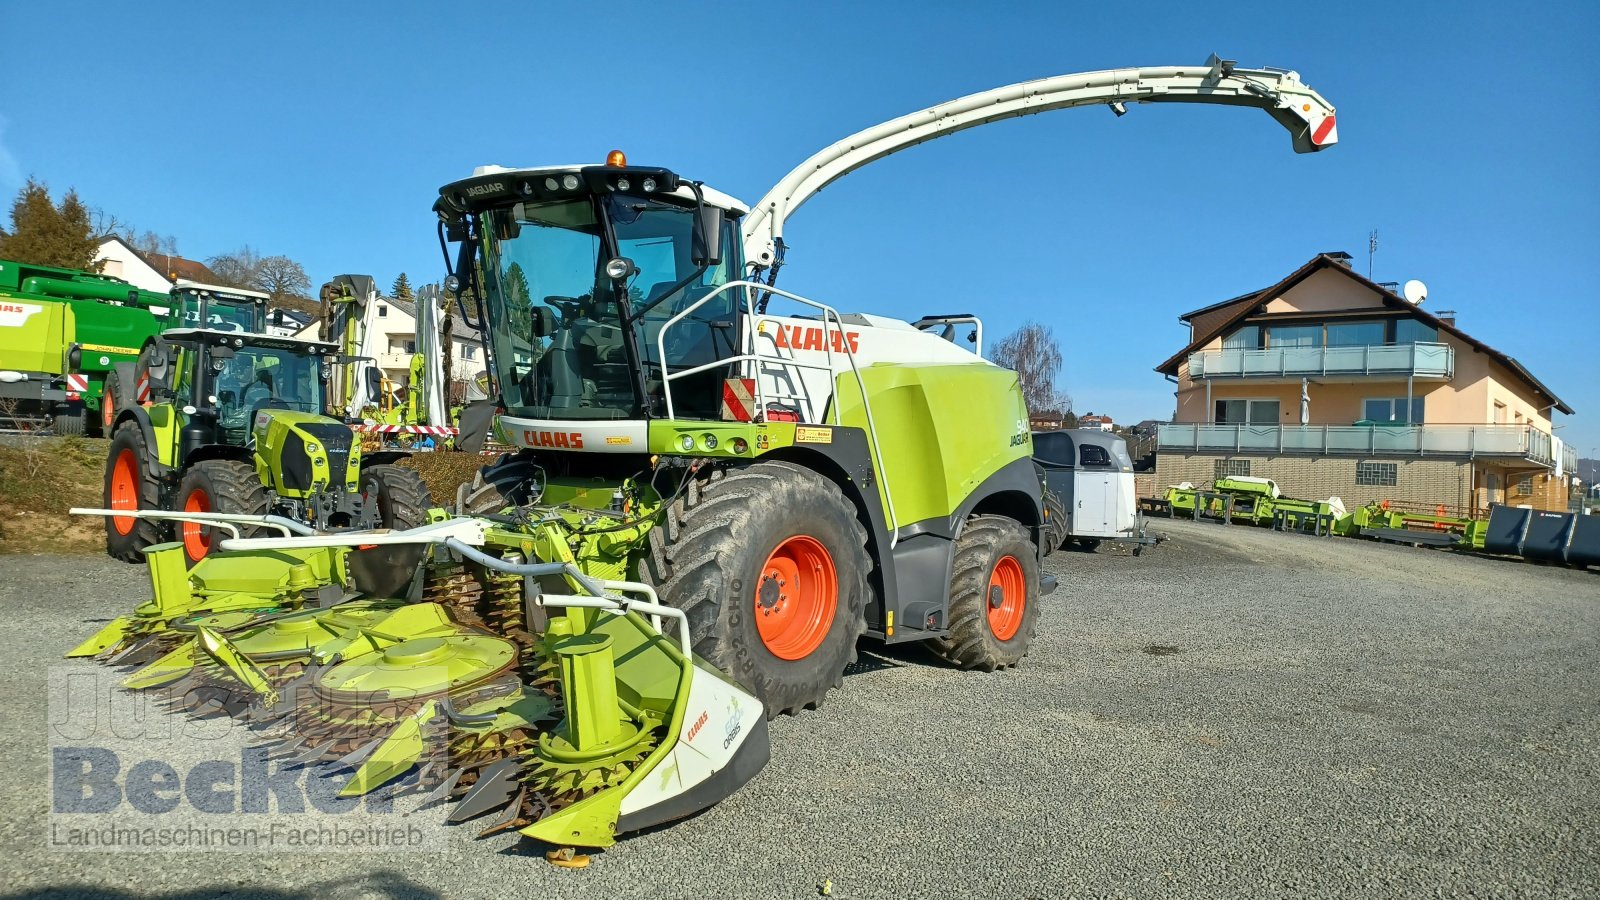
x=1424, y=483
x=1545, y=491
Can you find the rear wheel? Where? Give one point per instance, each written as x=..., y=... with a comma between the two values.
x=1054, y=531
x=402, y=497
x=994, y=587
x=223, y=486
x=131, y=485
x=70, y=421
x=508, y=481
x=770, y=565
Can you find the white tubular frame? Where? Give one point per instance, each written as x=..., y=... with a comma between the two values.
x=752, y=354
x=467, y=530
x=1296, y=107
x=227, y=521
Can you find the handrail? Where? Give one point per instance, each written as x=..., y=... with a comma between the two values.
x=1274, y=361
x=829, y=315
x=225, y=521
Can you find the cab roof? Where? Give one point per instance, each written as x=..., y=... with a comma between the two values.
x=184, y=284
x=712, y=195
x=211, y=335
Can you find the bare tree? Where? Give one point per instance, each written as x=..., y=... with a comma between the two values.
x=240, y=269
x=1032, y=352
x=282, y=277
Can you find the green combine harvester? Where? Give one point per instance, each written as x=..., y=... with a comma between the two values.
x=719, y=488
x=65, y=334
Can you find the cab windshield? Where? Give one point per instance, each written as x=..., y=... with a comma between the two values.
x=258, y=378
x=220, y=314
x=562, y=346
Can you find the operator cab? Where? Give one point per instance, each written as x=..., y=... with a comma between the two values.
x=223, y=378
x=582, y=267
x=217, y=308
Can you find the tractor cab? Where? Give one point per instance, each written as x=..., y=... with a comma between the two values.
x=583, y=269
x=216, y=308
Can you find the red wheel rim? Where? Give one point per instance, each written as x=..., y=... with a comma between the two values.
x=1008, y=596
x=196, y=543
x=795, y=598
x=105, y=412
x=124, y=489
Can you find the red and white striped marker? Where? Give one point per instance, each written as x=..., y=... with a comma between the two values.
x=433, y=430
x=77, y=385
x=738, y=399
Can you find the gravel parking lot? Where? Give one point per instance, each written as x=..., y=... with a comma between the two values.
x=1235, y=713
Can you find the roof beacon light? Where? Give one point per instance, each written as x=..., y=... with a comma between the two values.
x=617, y=159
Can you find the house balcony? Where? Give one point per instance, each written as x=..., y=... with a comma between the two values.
x=1419, y=360
x=1522, y=443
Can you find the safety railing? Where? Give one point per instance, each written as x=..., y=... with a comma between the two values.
x=753, y=355
x=1519, y=441
x=1422, y=360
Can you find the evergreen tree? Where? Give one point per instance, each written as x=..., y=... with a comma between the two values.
x=47, y=234
x=402, y=289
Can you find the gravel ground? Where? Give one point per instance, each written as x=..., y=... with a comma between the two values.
x=1236, y=713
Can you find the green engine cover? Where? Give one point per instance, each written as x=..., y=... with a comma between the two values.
x=298, y=453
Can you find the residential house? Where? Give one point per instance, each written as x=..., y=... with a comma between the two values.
x=1093, y=421
x=394, y=340
x=1334, y=385
x=148, y=271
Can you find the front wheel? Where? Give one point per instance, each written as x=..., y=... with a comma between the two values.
x=994, y=589
x=402, y=497
x=223, y=486
x=769, y=563
x=130, y=485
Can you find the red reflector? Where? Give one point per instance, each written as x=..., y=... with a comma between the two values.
x=1325, y=132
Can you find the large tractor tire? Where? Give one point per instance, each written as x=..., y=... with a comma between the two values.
x=508, y=481
x=994, y=592
x=129, y=484
x=71, y=421
x=223, y=486
x=1054, y=531
x=402, y=497
x=116, y=392
x=770, y=565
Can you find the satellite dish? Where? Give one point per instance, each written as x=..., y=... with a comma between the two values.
x=1415, y=292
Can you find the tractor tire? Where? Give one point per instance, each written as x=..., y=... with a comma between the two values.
x=70, y=422
x=402, y=497
x=1053, y=533
x=508, y=481
x=223, y=486
x=114, y=394
x=994, y=592
x=769, y=562
x=129, y=484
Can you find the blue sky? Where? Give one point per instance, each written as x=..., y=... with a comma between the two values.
x=322, y=131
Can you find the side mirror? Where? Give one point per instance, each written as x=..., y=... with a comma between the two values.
x=707, y=248
x=544, y=321
x=374, y=382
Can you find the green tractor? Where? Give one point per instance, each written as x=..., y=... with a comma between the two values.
x=232, y=422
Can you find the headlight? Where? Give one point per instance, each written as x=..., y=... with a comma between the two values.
x=623, y=184
x=710, y=441
x=551, y=183
x=311, y=447
x=686, y=442
x=649, y=185
x=452, y=284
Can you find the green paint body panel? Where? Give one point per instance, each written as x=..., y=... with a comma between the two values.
x=55, y=308
x=278, y=427
x=936, y=444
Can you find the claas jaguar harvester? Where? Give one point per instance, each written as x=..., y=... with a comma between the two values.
x=720, y=487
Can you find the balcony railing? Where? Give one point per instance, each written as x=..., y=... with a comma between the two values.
x=1419, y=360
x=1513, y=441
